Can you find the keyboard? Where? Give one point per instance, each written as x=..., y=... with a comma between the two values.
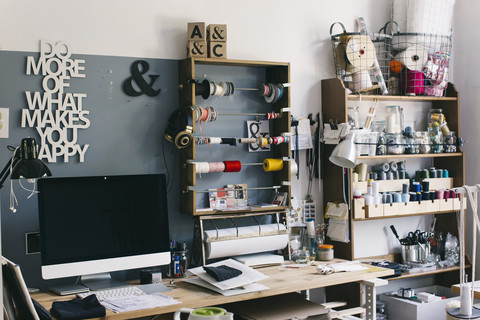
x=113, y=293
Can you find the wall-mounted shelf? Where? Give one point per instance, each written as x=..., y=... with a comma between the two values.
x=192, y=70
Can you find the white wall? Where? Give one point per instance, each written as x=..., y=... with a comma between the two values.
x=292, y=31
x=465, y=76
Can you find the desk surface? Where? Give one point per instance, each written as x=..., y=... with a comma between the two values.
x=279, y=282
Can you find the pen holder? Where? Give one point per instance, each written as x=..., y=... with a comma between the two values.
x=409, y=253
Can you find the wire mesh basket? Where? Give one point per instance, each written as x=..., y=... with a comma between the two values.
x=419, y=64
x=421, y=46
x=356, y=62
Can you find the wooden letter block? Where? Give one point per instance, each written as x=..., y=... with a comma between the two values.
x=196, y=31
x=217, y=32
x=197, y=49
x=217, y=50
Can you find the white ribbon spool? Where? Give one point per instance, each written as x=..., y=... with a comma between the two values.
x=414, y=57
x=360, y=52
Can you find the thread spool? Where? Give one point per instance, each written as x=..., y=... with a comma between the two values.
x=381, y=167
x=389, y=175
x=405, y=188
x=214, y=140
x=393, y=166
x=232, y=166
x=216, y=166
x=248, y=140
x=445, y=173
x=405, y=197
x=355, y=177
x=382, y=175
x=413, y=82
x=229, y=141
x=465, y=299
x=425, y=185
x=401, y=165
x=375, y=188
x=397, y=197
x=402, y=174
x=413, y=196
x=272, y=165
x=439, y=194
x=361, y=169
x=426, y=195
x=432, y=195
x=416, y=187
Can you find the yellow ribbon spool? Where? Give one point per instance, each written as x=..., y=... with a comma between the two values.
x=272, y=165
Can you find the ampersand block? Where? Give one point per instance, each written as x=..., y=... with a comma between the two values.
x=196, y=31
x=197, y=49
x=217, y=32
x=217, y=50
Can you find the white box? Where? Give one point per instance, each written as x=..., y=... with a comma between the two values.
x=403, y=309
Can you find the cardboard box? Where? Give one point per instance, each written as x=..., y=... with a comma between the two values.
x=402, y=309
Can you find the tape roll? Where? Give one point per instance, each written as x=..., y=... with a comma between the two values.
x=272, y=165
x=293, y=168
x=360, y=52
x=414, y=57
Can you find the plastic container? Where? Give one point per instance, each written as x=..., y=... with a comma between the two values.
x=325, y=252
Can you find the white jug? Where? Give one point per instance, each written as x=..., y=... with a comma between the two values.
x=207, y=313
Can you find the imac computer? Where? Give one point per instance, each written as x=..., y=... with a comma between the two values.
x=96, y=225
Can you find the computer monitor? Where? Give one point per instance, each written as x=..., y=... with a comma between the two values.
x=100, y=224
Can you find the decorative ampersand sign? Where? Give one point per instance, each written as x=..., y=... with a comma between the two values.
x=138, y=69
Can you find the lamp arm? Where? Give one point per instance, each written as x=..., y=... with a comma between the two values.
x=6, y=170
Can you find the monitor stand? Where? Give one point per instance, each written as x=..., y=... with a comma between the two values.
x=101, y=281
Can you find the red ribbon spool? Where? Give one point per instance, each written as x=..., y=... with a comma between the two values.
x=232, y=166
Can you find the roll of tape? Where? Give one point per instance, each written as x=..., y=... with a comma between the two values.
x=360, y=52
x=293, y=168
x=414, y=57
x=272, y=165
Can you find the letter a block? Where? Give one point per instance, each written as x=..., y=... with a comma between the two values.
x=196, y=31
x=197, y=49
x=217, y=50
x=217, y=32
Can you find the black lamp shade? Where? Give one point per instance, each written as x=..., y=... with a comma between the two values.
x=28, y=169
x=29, y=166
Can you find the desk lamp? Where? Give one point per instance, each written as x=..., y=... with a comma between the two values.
x=23, y=164
x=344, y=154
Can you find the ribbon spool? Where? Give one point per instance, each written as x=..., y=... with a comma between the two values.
x=360, y=52
x=413, y=82
x=202, y=89
x=207, y=167
x=272, y=165
x=414, y=57
x=232, y=166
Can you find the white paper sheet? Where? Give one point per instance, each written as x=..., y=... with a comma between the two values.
x=253, y=287
x=248, y=275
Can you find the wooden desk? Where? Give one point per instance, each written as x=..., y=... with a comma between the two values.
x=279, y=282
x=476, y=289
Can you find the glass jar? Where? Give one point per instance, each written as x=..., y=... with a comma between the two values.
x=395, y=143
x=394, y=119
x=436, y=140
x=422, y=141
x=325, y=252
x=450, y=143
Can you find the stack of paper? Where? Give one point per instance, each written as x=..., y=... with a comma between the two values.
x=246, y=282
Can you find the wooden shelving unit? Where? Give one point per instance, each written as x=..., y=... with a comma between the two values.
x=275, y=72
x=335, y=101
